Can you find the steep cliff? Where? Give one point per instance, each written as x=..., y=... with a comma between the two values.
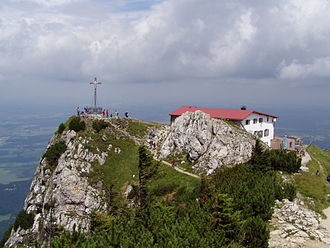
x=69, y=183
x=210, y=143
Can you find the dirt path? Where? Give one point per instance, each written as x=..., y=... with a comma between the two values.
x=178, y=169
x=305, y=159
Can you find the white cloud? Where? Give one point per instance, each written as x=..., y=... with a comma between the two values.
x=48, y=3
x=125, y=41
x=319, y=68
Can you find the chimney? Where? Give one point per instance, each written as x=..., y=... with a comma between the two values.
x=243, y=107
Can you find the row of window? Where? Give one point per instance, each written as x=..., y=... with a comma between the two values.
x=255, y=121
x=261, y=133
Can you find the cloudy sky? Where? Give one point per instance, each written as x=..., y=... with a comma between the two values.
x=194, y=52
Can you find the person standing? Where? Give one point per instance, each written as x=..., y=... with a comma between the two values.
x=126, y=114
x=78, y=111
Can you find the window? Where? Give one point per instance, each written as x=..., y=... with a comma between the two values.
x=266, y=132
x=261, y=120
x=255, y=121
x=267, y=118
x=247, y=122
x=258, y=133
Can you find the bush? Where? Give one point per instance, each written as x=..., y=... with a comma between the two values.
x=98, y=125
x=255, y=232
x=278, y=160
x=77, y=124
x=54, y=152
x=24, y=220
x=61, y=128
x=289, y=191
x=253, y=191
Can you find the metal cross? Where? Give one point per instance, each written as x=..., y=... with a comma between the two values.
x=95, y=83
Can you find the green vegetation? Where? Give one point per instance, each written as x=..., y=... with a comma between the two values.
x=76, y=124
x=99, y=125
x=312, y=186
x=53, y=153
x=61, y=128
x=279, y=160
x=120, y=168
x=134, y=127
x=137, y=128
x=228, y=209
x=24, y=220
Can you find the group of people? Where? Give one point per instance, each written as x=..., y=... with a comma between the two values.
x=105, y=112
x=151, y=142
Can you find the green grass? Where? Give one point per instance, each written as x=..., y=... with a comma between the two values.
x=312, y=186
x=119, y=168
x=137, y=128
x=167, y=181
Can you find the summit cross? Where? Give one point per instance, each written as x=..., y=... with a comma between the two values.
x=95, y=84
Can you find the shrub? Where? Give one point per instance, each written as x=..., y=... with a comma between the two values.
x=61, y=128
x=54, y=152
x=98, y=125
x=278, y=160
x=289, y=191
x=77, y=124
x=255, y=232
x=24, y=220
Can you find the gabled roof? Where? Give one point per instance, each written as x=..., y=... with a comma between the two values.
x=229, y=114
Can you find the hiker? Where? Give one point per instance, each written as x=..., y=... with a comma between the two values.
x=318, y=173
x=107, y=113
x=78, y=111
x=328, y=179
x=126, y=114
x=116, y=114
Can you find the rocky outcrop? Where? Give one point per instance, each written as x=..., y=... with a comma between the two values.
x=211, y=143
x=62, y=196
x=294, y=225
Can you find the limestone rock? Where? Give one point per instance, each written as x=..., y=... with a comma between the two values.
x=211, y=142
x=62, y=196
x=294, y=225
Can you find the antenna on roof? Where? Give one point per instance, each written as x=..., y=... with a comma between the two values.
x=243, y=107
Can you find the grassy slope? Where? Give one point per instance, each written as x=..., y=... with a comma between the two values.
x=121, y=169
x=170, y=183
x=313, y=186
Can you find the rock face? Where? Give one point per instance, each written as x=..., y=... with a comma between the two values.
x=294, y=225
x=62, y=197
x=210, y=142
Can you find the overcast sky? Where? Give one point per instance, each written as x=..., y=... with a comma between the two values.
x=185, y=52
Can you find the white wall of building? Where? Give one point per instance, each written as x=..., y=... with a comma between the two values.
x=255, y=126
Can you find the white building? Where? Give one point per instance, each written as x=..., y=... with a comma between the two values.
x=259, y=124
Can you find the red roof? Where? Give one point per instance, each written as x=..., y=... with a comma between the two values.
x=229, y=114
